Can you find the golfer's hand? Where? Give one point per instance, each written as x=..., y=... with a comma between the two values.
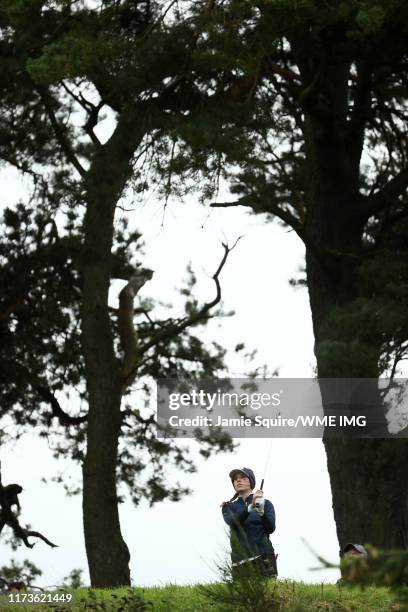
x=257, y=495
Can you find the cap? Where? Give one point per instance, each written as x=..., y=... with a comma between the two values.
x=247, y=472
x=357, y=547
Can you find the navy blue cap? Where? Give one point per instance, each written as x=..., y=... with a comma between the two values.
x=249, y=473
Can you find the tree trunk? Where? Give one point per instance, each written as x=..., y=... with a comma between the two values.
x=368, y=476
x=108, y=555
x=370, y=491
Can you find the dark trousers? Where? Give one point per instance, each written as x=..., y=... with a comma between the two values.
x=262, y=567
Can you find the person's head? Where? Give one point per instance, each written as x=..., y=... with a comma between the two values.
x=243, y=481
x=354, y=550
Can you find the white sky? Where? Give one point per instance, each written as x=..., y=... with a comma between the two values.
x=183, y=542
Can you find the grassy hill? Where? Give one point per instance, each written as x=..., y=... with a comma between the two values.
x=279, y=595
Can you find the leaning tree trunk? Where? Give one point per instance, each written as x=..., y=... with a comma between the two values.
x=108, y=555
x=368, y=476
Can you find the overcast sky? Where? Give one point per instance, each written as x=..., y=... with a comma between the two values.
x=183, y=542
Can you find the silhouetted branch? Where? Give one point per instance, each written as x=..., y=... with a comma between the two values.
x=8, y=499
x=200, y=315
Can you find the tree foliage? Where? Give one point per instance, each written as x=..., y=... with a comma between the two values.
x=313, y=133
x=300, y=105
x=25, y=571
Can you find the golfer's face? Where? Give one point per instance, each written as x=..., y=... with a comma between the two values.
x=353, y=553
x=241, y=483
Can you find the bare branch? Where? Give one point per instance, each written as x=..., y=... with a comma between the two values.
x=91, y=109
x=200, y=315
x=57, y=411
x=127, y=331
x=59, y=133
x=8, y=499
x=230, y=204
x=46, y=395
x=282, y=214
x=286, y=73
x=37, y=534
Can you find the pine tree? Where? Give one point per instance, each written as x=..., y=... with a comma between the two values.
x=304, y=115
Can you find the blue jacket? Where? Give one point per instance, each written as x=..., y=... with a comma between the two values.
x=249, y=531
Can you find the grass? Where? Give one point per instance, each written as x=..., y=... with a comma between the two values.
x=282, y=595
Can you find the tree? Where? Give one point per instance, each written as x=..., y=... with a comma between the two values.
x=316, y=137
x=74, y=579
x=64, y=62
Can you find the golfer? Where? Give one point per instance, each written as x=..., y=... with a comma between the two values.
x=251, y=520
